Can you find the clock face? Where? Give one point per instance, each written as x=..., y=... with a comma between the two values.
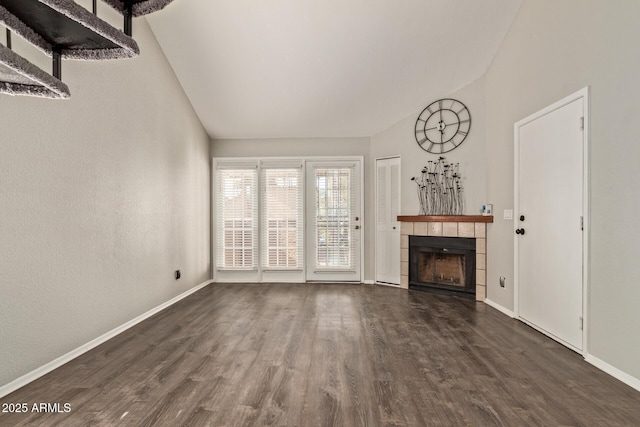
x=442, y=126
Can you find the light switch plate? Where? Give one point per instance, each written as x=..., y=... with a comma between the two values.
x=507, y=214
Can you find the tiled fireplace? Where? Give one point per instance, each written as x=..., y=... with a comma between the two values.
x=467, y=226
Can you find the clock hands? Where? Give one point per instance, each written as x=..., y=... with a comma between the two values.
x=441, y=126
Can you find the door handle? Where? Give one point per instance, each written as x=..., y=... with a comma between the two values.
x=357, y=227
x=520, y=231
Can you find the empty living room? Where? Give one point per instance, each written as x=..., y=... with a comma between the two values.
x=336, y=213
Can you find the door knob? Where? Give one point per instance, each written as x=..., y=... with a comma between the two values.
x=520, y=231
x=357, y=218
x=357, y=227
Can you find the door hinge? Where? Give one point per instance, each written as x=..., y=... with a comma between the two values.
x=581, y=323
x=581, y=223
x=582, y=123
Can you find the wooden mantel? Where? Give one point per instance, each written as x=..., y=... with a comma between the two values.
x=445, y=218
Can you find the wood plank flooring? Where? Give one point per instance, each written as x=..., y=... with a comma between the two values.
x=328, y=355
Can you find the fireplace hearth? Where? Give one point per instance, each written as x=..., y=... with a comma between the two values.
x=443, y=265
x=462, y=226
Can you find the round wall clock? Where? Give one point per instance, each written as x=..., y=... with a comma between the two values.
x=443, y=126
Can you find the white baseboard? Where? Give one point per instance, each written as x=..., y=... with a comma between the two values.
x=368, y=282
x=500, y=308
x=54, y=364
x=614, y=372
x=604, y=366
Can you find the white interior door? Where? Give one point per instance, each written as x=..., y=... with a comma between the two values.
x=387, y=226
x=548, y=222
x=334, y=221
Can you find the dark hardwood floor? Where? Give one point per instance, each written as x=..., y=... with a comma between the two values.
x=328, y=355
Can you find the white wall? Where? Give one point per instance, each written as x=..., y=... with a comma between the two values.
x=102, y=197
x=312, y=147
x=553, y=49
x=400, y=140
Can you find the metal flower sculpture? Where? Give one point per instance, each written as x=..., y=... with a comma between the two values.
x=440, y=189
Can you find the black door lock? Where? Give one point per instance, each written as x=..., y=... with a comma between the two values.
x=520, y=231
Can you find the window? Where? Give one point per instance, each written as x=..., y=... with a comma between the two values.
x=282, y=218
x=334, y=194
x=237, y=221
x=277, y=221
x=286, y=219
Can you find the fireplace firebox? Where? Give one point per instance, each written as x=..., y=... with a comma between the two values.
x=443, y=265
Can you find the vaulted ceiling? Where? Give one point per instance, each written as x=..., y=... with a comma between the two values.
x=329, y=68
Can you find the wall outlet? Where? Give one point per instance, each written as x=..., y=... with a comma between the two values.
x=177, y=274
x=503, y=280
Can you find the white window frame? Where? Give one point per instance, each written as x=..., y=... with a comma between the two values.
x=261, y=274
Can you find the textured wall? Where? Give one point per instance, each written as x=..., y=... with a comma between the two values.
x=553, y=49
x=102, y=197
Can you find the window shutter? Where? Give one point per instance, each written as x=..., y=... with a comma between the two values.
x=237, y=216
x=282, y=215
x=336, y=192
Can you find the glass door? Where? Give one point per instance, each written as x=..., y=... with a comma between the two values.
x=334, y=221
